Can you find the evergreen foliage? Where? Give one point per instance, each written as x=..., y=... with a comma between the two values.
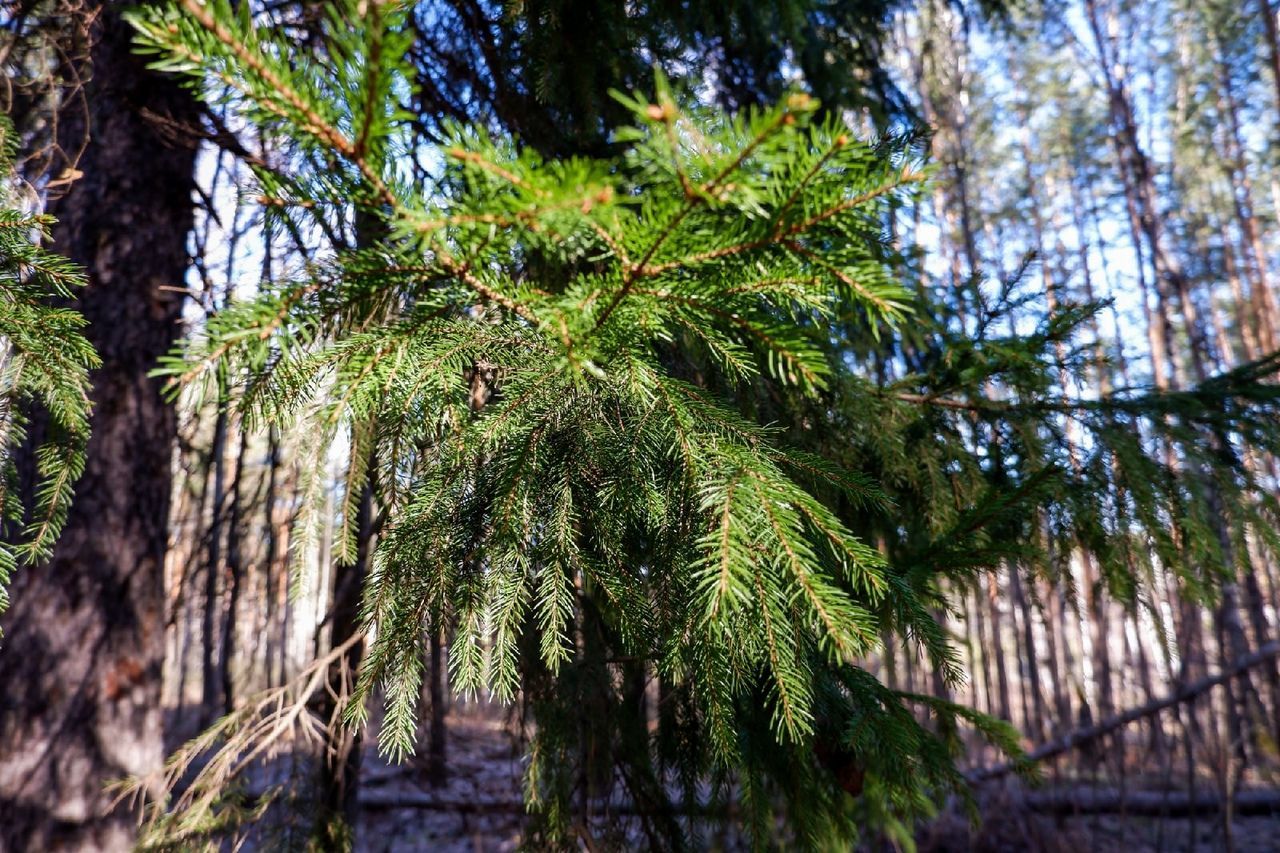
x=639, y=415
x=44, y=361
x=543, y=69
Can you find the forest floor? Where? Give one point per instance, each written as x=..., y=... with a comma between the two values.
x=478, y=811
x=472, y=812
x=1007, y=827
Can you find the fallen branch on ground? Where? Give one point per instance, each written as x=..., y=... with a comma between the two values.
x=386, y=801
x=1154, y=803
x=1081, y=736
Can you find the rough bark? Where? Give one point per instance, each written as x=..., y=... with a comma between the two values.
x=84, y=639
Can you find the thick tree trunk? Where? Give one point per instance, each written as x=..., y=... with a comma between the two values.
x=84, y=639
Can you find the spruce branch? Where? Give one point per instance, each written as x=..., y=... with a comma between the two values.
x=313, y=123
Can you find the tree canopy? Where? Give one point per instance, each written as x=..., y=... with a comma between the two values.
x=679, y=409
x=640, y=394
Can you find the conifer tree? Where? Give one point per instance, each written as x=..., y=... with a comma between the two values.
x=678, y=412
x=44, y=360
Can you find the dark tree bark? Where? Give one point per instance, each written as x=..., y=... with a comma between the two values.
x=210, y=662
x=437, y=750
x=84, y=639
x=276, y=574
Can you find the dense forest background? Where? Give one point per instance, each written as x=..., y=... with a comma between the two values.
x=1123, y=156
